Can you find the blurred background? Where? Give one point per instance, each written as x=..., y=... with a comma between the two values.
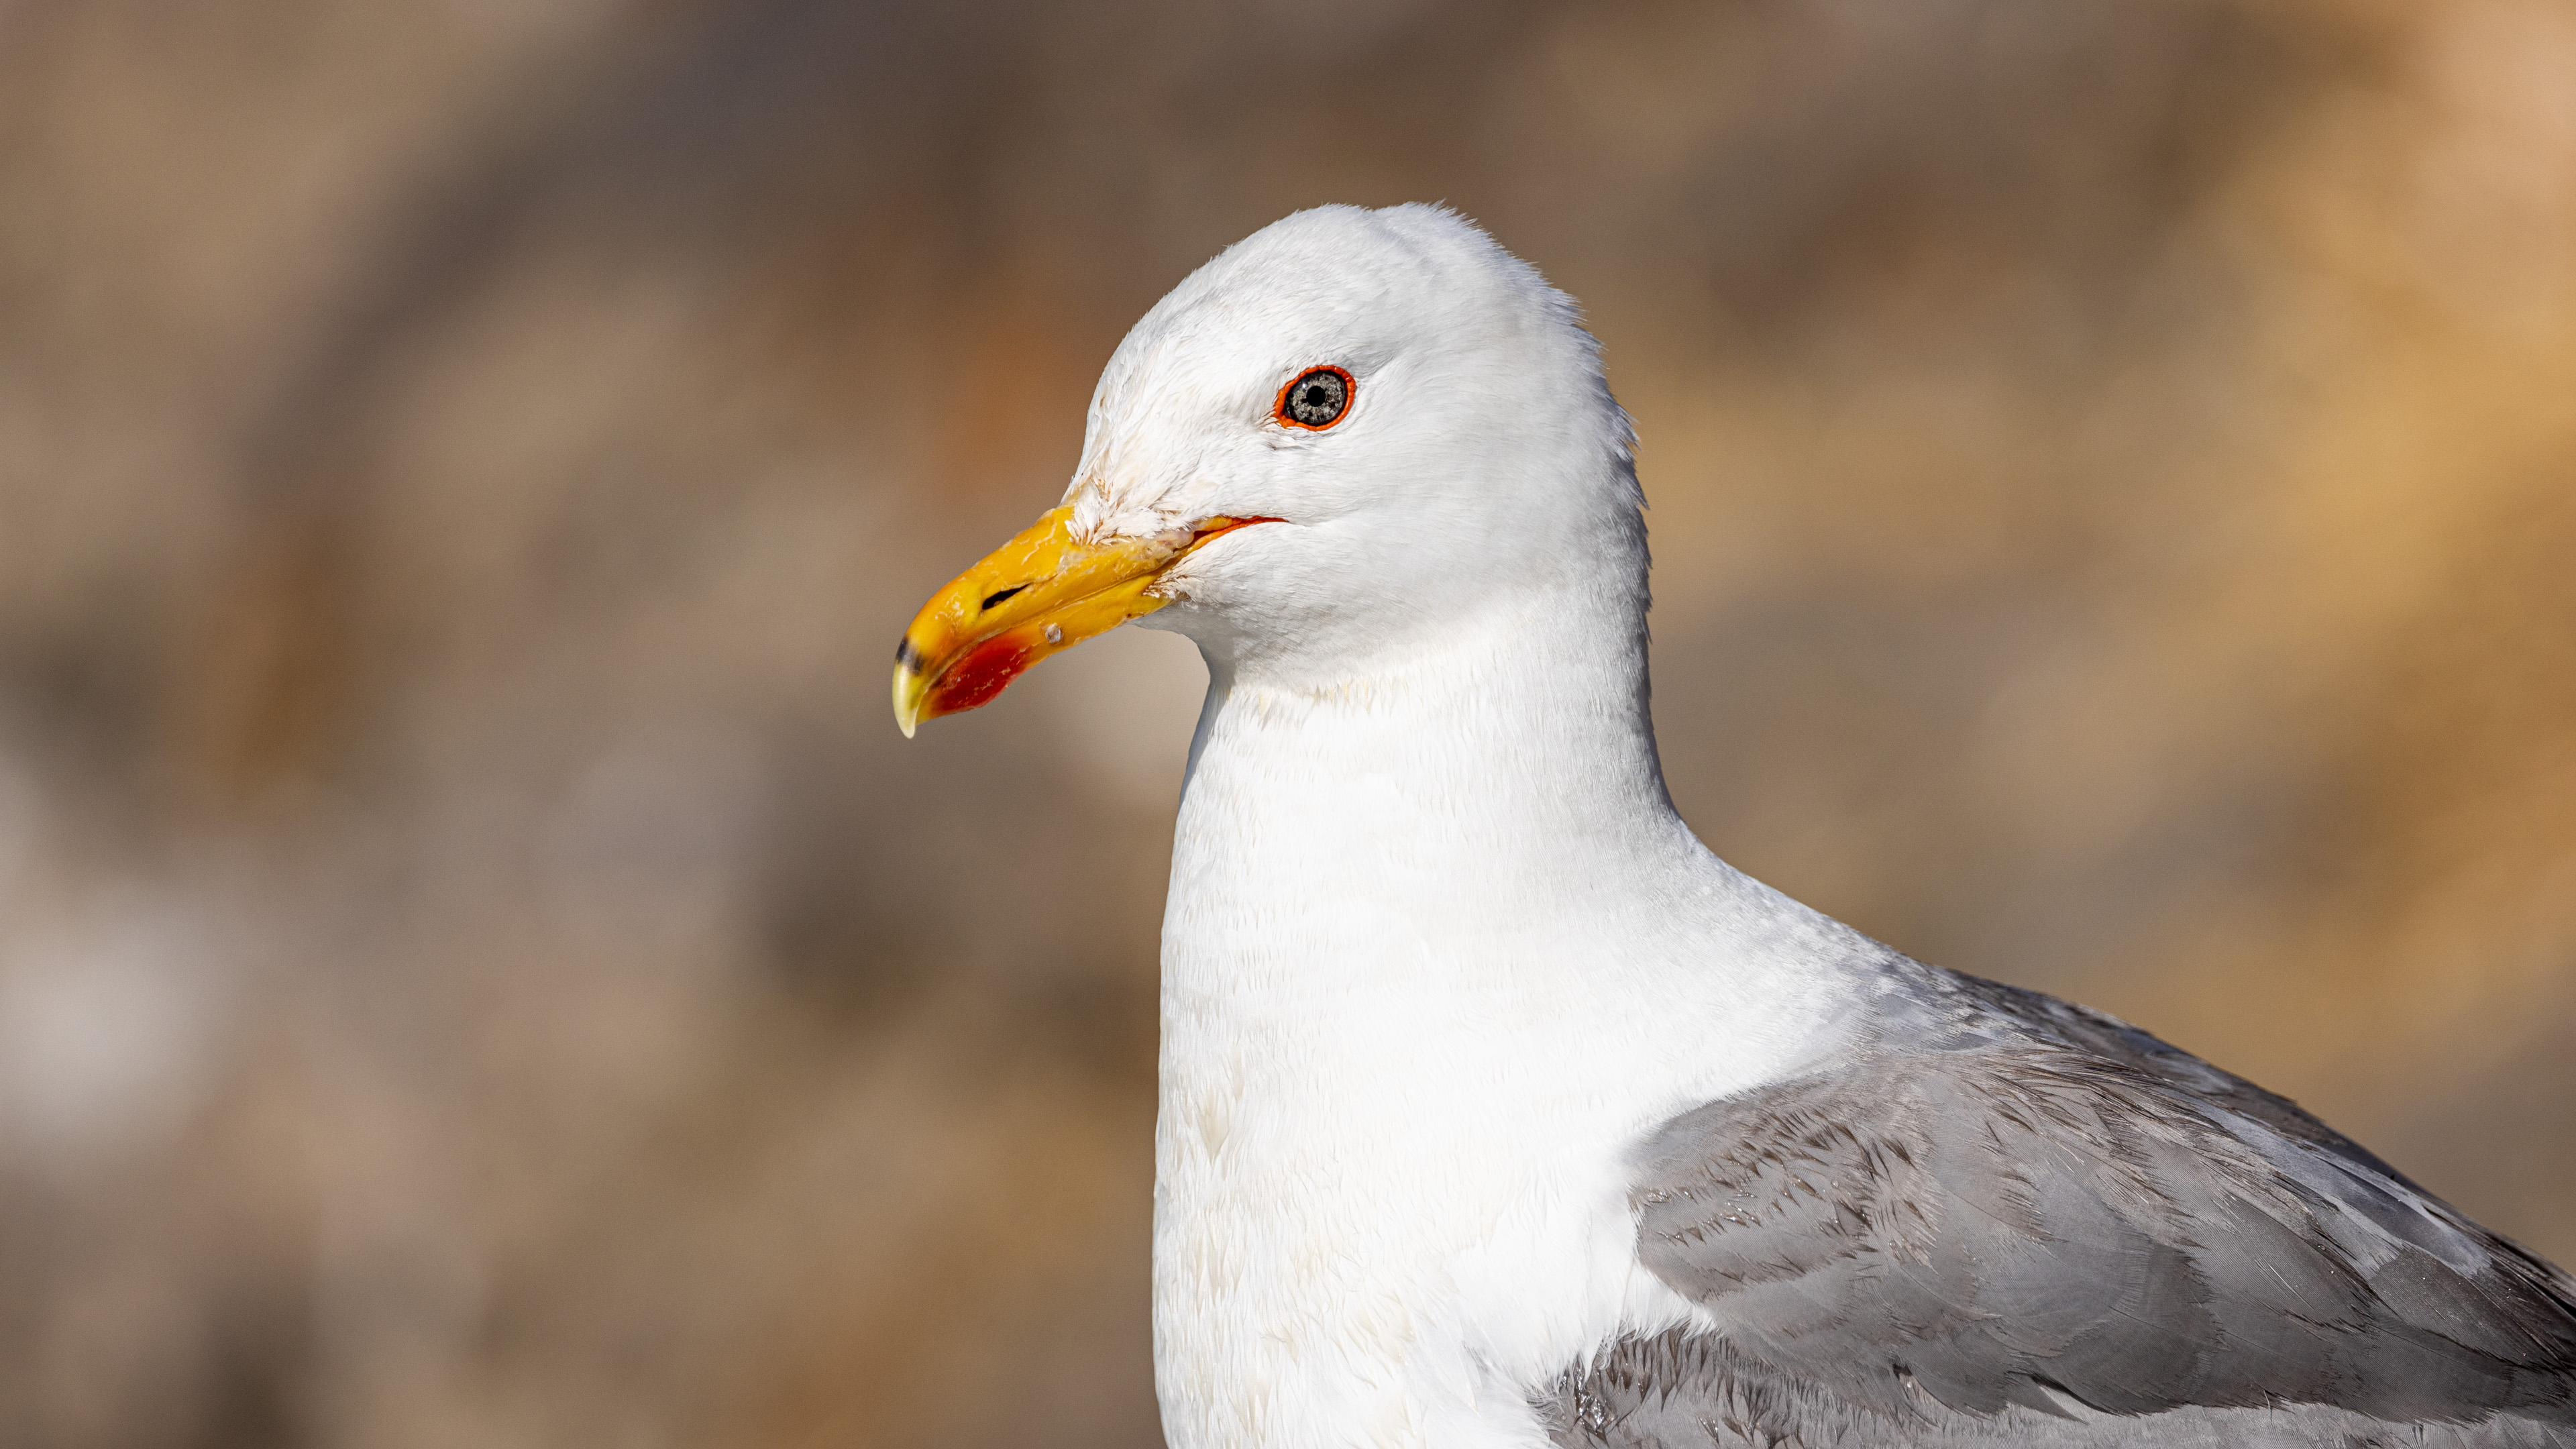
x=479, y=966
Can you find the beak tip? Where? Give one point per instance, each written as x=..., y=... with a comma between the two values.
x=907, y=700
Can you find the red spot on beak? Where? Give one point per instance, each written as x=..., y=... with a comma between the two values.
x=985, y=672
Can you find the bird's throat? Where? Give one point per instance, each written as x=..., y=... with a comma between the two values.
x=1442, y=795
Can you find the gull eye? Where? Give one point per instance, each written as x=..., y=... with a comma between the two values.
x=1316, y=400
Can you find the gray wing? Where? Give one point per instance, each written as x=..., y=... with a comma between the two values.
x=2011, y=1220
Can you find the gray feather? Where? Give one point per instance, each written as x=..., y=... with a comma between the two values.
x=2003, y=1219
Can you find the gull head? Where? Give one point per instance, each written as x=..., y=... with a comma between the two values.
x=1348, y=434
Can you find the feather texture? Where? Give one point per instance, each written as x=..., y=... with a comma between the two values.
x=2004, y=1219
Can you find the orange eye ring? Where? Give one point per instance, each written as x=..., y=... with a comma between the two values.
x=1315, y=399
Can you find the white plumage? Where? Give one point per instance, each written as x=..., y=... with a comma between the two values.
x=1437, y=948
x=1496, y=1110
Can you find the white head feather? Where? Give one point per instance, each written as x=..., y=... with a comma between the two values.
x=1481, y=457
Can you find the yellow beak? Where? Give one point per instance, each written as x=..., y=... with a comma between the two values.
x=1041, y=593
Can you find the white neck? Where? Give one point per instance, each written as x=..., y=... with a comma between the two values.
x=1508, y=753
x=1437, y=940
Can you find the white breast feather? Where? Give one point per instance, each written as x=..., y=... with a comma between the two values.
x=1391, y=1182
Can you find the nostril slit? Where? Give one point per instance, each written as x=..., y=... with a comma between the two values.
x=991, y=599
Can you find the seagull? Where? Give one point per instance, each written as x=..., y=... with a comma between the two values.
x=1496, y=1109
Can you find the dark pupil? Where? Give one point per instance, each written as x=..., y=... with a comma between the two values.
x=1317, y=399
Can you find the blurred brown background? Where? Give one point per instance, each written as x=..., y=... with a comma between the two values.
x=478, y=965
